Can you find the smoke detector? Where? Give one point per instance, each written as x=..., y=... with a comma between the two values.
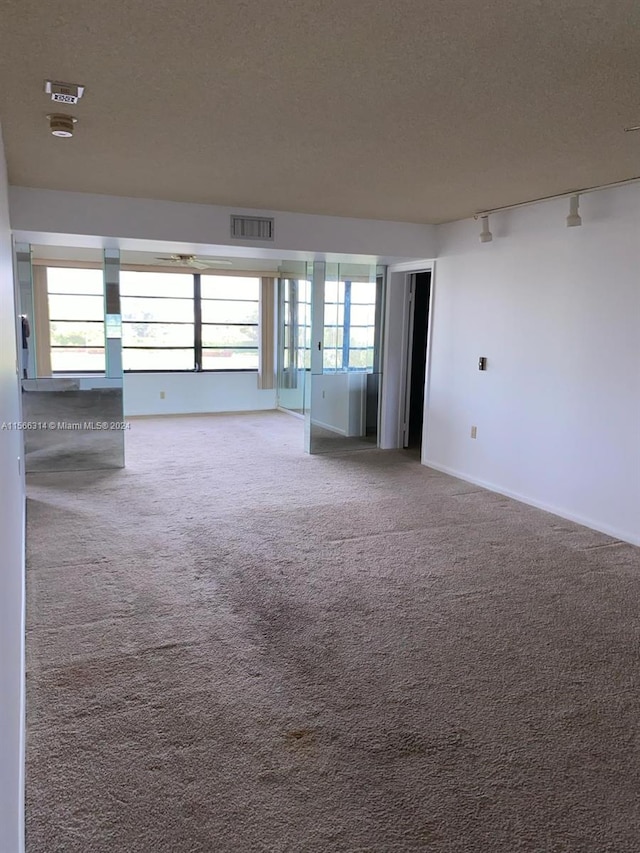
x=61, y=125
x=64, y=93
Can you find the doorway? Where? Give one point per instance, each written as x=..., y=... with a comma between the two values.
x=419, y=299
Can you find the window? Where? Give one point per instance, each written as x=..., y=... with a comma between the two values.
x=158, y=321
x=361, y=326
x=76, y=320
x=294, y=343
x=230, y=309
x=170, y=321
x=296, y=325
x=349, y=325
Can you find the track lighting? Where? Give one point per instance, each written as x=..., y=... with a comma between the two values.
x=574, y=217
x=485, y=235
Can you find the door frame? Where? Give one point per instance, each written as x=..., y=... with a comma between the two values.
x=397, y=350
x=408, y=360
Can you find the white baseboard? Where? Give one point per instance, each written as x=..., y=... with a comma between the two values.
x=617, y=533
x=329, y=428
x=199, y=414
x=286, y=411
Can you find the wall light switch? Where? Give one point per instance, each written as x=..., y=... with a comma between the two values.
x=474, y=432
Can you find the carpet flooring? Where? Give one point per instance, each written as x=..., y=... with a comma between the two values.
x=234, y=646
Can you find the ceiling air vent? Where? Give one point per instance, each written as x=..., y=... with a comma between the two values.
x=251, y=228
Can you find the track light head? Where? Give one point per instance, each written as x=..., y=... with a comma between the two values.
x=485, y=235
x=574, y=219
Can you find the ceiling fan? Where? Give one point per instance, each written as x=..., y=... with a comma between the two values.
x=195, y=262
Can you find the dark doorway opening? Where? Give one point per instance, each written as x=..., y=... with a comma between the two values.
x=417, y=359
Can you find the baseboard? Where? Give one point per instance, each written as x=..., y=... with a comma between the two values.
x=617, y=533
x=298, y=415
x=198, y=414
x=329, y=428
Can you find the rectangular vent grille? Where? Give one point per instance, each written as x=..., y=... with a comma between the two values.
x=252, y=228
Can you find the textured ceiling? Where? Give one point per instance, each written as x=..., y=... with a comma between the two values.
x=414, y=110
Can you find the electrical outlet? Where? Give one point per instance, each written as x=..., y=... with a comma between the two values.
x=162, y=395
x=474, y=432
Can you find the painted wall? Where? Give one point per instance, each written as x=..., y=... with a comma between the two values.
x=189, y=393
x=11, y=554
x=130, y=220
x=556, y=311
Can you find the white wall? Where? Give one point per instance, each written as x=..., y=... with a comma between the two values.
x=556, y=311
x=189, y=393
x=11, y=555
x=129, y=221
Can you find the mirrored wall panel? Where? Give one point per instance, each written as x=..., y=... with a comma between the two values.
x=72, y=384
x=347, y=301
x=294, y=337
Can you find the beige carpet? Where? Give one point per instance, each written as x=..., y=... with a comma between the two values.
x=233, y=646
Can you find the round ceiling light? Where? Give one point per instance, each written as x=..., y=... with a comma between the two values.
x=61, y=125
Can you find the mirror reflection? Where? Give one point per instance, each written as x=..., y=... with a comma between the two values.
x=72, y=401
x=294, y=338
x=345, y=375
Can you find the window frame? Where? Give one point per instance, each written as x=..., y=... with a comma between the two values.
x=204, y=348
x=164, y=349
x=196, y=346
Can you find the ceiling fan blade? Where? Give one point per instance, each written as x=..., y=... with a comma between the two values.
x=195, y=262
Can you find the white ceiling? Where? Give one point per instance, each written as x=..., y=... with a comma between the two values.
x=414, y=110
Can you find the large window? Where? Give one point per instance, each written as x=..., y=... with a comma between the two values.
x=158, y=321
x=170, y=321
x=76, y=320
x=230, y=309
